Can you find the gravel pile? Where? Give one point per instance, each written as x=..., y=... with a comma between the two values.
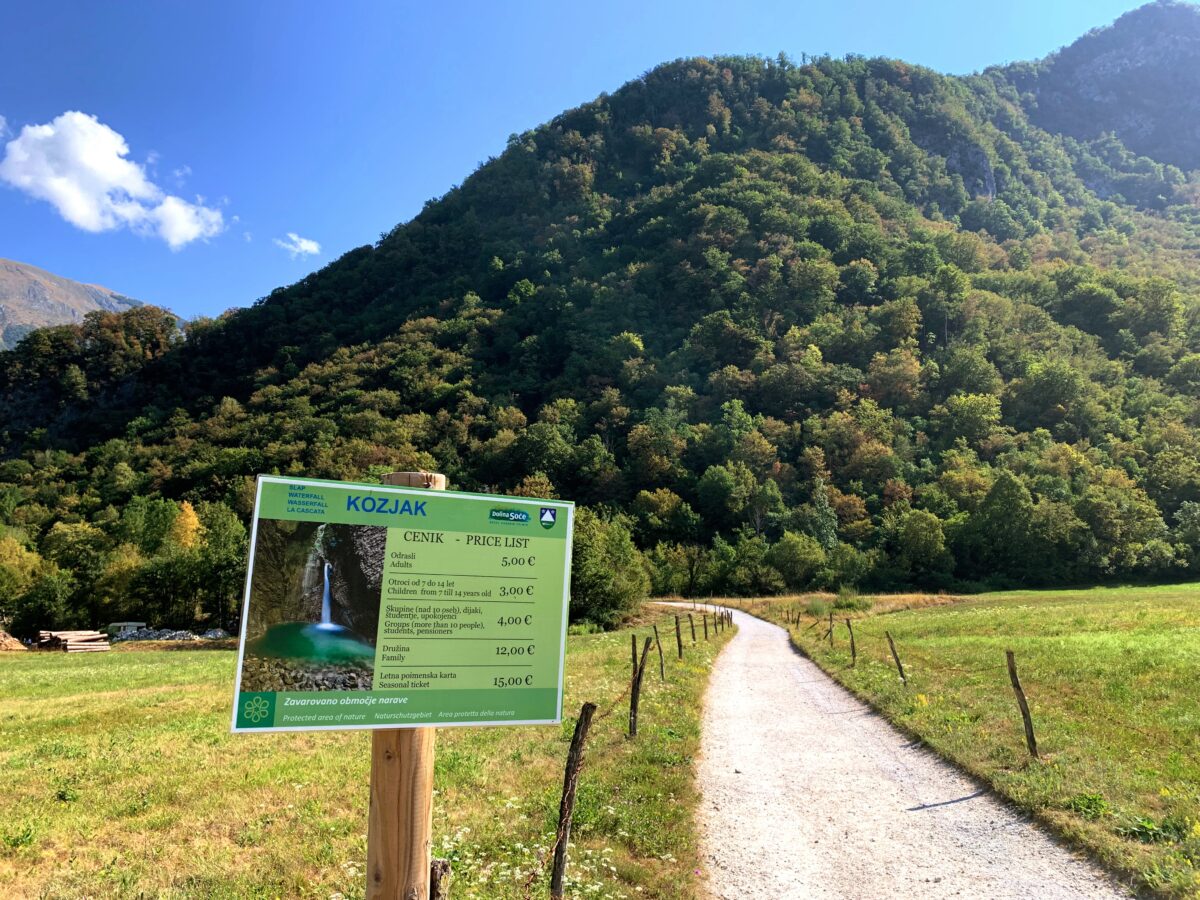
x=166, y=634
x=155, y=634
x=262, y=673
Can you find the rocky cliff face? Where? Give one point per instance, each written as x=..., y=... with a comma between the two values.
x=34, y=298
x=1138, y=78
x=356, y=552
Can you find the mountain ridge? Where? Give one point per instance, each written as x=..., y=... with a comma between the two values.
x=32, y=298
x=1135, y=78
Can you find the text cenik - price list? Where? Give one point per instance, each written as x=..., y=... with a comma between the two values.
x=469, y=611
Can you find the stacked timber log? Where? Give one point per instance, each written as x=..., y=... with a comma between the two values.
x=73, y=641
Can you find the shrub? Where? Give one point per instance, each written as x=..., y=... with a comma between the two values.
x=608, y=573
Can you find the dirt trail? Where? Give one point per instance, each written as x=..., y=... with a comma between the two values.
x=808, y=793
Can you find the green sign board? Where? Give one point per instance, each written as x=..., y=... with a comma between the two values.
x=370, y=606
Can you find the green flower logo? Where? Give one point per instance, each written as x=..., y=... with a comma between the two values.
x=256, y=709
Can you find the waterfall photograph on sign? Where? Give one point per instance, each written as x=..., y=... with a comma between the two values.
x=314, y=607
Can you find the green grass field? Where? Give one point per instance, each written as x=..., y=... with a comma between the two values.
x=1113, y=680
x=122, y=780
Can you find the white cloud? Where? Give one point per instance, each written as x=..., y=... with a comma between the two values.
x=179, y=222
x=180, y=175
x=79, y=165
x=3, y=126
x=298, y=246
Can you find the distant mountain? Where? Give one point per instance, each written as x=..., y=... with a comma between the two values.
x=1139, y=79
x=34, y=298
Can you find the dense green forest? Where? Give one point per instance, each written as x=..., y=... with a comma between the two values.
x=775, y=324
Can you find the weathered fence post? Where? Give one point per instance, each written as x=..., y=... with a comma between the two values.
x=662, y=671
x=896, y=657
x=637, y=689
x=692, y=625
x=566, y=808
x=439, y=879
x=678, y=638
x=704, y=619
x=830, y=628
x=853, y=648
x=1030, y=740
x=400, y=816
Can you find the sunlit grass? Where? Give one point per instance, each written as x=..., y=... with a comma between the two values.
x=121, y=779
x=1113, y=680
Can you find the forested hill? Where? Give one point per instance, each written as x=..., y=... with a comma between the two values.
x=789, y=324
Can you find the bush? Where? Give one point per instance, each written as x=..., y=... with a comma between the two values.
x=848, y=599
x=844, y=566
x=46, y=605
x=741, y=569
x=797, y=557
x=608, y=573
x=677, y=569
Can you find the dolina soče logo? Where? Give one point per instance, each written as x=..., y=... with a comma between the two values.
x=548, y=516
x=513, y=516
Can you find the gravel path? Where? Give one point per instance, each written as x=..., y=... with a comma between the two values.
x=808, y=793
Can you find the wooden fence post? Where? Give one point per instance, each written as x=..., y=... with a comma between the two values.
x=400, y=817
x=566, y=808
x=831, y=628
x=678, y=637
x=704, y=619
x=637, y=690
x=439, y=879
x=692, y=625
x=662, y=671
x=896, y=657
x=1030, y=740
x=853, y=648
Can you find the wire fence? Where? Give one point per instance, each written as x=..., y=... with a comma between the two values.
x=609, y=747
x=927, y=662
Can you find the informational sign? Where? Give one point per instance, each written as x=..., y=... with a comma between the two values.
x=369, y=606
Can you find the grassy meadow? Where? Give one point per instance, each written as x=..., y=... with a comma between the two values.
x=122, y=780
x=1113, y=682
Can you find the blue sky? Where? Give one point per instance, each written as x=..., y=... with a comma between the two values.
x=259, y=131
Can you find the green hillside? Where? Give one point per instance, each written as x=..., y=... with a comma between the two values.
x=787, y=324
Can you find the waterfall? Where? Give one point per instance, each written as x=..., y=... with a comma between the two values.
x=318, y=576
x=325, y=595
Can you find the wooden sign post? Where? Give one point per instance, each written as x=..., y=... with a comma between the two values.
x=400, y=821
